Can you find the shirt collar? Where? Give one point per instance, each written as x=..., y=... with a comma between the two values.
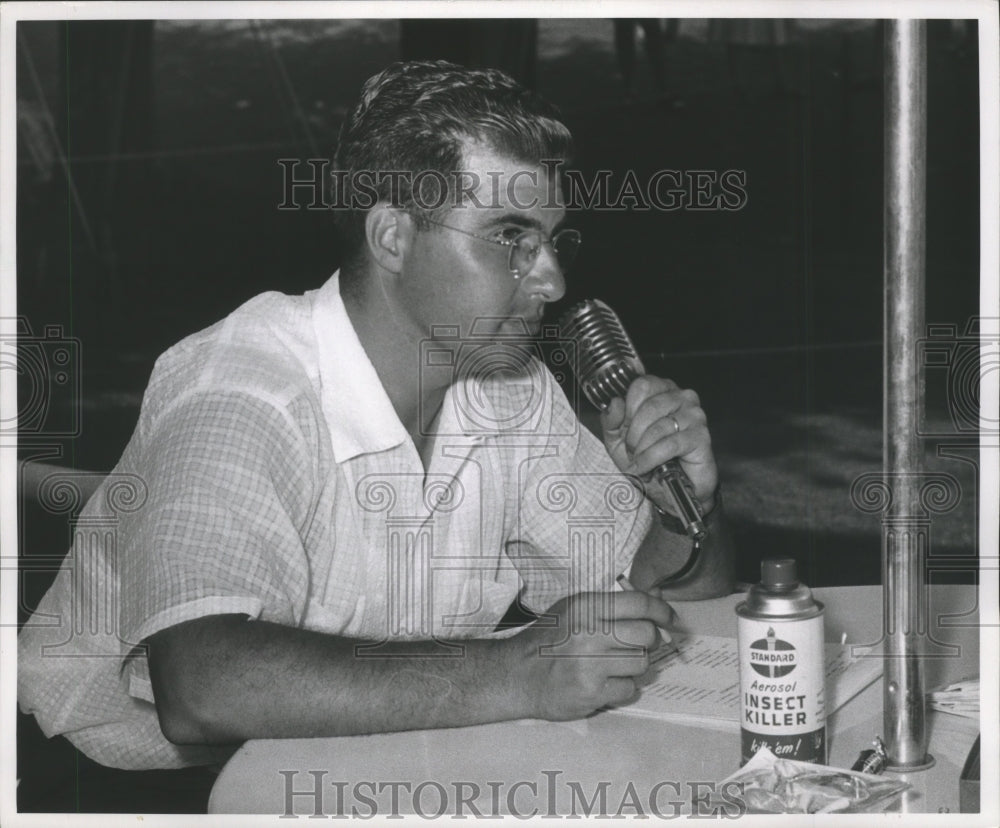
x=357, y=409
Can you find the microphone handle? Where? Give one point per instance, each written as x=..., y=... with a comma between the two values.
x=672, y=475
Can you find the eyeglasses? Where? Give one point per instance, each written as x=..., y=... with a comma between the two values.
x=526, y=245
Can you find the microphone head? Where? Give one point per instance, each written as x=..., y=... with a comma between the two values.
x=607, y=361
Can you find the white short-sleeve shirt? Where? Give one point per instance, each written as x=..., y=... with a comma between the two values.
x=269, y=476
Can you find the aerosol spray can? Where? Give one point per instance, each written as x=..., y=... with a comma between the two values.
x=780, y=641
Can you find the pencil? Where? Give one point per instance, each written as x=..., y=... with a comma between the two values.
x=626, y=585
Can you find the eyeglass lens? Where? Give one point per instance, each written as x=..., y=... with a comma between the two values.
x=528, y=245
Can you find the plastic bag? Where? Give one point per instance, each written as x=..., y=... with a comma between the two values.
x=782, y=786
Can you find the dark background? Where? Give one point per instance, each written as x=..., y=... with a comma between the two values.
x=149, y=184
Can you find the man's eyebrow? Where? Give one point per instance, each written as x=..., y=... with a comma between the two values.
x=517, y=219
x=521, y=220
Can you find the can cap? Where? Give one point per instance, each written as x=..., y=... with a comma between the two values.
x=778, y=572
x=779, y=594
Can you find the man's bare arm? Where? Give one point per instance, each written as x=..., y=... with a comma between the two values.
x=224, y=679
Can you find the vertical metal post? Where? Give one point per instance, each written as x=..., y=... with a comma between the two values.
x=903, y=553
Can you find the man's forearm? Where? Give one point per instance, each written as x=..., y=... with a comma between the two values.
x=224, y=679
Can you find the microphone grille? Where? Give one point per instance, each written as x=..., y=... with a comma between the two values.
x=607, y=362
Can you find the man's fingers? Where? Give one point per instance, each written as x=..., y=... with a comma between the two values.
x=641, y=605
x=636, y=634
x=624, y=662
x=643, y=388
x=689, y=444
x=618, y=690
x=659, y=414
x=614, y=415
x=679, y=421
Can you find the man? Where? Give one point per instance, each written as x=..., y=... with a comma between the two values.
x=339, y=495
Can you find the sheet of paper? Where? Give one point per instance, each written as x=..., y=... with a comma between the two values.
x=699, y=683
x=960, y=698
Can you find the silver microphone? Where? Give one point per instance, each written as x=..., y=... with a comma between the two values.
x=607, y=362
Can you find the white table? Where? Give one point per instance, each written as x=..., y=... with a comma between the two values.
x=658, y=768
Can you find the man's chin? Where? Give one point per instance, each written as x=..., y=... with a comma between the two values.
x=507, y=355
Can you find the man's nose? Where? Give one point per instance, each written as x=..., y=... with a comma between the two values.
x=546, y=278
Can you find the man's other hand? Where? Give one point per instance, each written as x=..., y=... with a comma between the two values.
x=587, y=650
x=656, y=422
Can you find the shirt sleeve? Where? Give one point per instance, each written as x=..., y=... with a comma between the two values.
x=229, y=482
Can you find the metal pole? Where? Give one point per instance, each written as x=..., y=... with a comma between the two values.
x=904, y=544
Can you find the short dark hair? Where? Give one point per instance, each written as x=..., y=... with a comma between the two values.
x=414, y=116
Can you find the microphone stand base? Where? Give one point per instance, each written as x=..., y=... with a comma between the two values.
x=925, y=764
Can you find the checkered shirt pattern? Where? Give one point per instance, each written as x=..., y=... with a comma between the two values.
x=269, y=476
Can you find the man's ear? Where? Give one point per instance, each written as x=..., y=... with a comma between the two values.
x=388, y=231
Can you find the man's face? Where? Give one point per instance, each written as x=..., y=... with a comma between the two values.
x=457, y=280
